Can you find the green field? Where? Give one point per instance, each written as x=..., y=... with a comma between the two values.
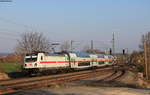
x=10, y=67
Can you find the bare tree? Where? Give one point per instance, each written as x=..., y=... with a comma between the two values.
x=145, y=37
x=31, y=42
x=65, y=46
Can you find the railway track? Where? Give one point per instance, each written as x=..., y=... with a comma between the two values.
x=26, y=83
x=116, y=75
x=39, y=78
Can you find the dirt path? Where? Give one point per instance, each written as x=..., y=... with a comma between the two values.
x=84, y=90
x=3, y=76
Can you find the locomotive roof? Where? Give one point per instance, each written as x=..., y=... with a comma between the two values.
x=31, y=54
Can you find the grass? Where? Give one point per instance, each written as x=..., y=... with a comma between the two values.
x=10, y=67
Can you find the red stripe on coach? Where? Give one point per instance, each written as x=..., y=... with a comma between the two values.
x=74, y=61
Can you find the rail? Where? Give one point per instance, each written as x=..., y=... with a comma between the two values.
x=35, y=82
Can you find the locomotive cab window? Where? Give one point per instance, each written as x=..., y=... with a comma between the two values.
x=30, y=59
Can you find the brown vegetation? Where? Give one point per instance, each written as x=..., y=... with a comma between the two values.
x=137, y=58
x=121, y=59
x=14, y=58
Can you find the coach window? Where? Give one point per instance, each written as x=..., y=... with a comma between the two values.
x=41, y=57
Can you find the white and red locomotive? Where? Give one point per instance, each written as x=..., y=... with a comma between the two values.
x=38, y=62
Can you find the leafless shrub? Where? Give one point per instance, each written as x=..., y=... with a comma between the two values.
x=145, y=37
x=31, y=42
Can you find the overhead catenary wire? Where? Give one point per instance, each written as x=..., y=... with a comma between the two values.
x=79, y=45
x=15, y=35
x=16, y=23
x=12, y=33
x=6, y=37
x=28, y=28
x=9, y=32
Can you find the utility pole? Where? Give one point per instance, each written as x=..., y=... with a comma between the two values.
x=113, y=43
x=71, y=45
x=91, y=44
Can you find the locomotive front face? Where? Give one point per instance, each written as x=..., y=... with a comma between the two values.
x=30, y=61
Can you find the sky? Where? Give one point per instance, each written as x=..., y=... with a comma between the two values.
x=78, y=20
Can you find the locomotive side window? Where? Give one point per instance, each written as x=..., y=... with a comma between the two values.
x=67, y=58
x=41, y=57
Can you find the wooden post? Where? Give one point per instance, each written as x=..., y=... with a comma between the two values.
x=147, y=59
